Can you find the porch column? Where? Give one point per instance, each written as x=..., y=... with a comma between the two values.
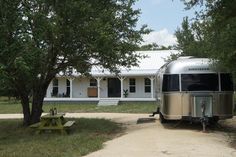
x=152, y=84
x=98, y=84
x=71, y=87
x=121, y=86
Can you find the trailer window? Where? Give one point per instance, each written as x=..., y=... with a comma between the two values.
x=226, y=82
x=170, y=83
x=199, y=82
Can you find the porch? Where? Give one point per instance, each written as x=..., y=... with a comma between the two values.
x=77, y=89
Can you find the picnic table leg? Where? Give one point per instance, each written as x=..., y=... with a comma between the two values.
x=63, y=120
x=60, y=125
x=42, y=124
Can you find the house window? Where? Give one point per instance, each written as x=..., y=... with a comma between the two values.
x=132, y=87
x=55, y=87
x=93, y=83
x=67, y=88
x=147, y=85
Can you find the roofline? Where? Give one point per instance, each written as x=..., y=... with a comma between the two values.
x=110, y=75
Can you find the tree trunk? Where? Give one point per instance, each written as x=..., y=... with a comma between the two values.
x=37, y=104
x=26, y=110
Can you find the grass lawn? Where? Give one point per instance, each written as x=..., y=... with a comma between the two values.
x=149, y=107
x=87, y=135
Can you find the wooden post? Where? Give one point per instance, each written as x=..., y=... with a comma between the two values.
x=71, y=87
x=121, y=86
x=98, y=86
x=152, y=86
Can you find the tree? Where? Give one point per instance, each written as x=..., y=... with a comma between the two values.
x=190, y=39
x=185, y=37
x=40, y=38
x=153, y=46
x=6, y=89
x=218, y=33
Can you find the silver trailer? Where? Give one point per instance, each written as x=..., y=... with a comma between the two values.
x=191, y=89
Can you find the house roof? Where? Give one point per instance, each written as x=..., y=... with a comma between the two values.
x=148, y=66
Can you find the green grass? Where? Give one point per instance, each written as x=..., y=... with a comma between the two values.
x=87, y=135
x=15, y=107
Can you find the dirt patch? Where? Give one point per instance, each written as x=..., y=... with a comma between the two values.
x=229, y=127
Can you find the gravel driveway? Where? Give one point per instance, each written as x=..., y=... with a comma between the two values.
x=149, y=138
x=152, y=139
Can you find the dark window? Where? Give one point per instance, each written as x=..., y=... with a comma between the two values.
x=132, y=84
x=147, y=85
x=55, y=82
x=67, y=83
x=67, y=88
x=226, y=82
x=55, y=87
x=93, y=83
x=199, y=82
x=170, y=82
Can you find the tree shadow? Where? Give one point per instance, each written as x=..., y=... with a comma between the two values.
x=146, y=120
x=182, y=125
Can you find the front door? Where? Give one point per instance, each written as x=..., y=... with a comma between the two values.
x=113, y=87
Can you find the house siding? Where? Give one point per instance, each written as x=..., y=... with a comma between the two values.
x=140, y=90
x=80, y=86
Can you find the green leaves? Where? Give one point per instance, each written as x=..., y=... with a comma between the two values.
x=213, y=32
x=189, y=38
x=44, y=37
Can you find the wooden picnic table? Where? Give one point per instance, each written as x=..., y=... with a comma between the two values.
x=54, y=122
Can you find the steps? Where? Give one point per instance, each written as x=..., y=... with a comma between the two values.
x=108, y=102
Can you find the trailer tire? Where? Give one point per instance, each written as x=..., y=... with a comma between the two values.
x=161, y=118
x=214, y=120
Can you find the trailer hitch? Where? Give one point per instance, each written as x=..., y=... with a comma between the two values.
x=204, y=119
x=156, y=112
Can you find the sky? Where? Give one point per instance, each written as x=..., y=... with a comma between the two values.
x=163, y=17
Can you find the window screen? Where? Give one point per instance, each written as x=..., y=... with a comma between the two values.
x=93, y=83
x=67, y=88
x=132, y=85
x=147, y=85
x=55, y=87
x=170, y=82
x=199, y=82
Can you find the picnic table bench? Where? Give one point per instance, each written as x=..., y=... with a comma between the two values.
x=54, y=122
x=69, y=124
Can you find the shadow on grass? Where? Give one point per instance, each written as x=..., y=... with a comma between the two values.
x=86, y=136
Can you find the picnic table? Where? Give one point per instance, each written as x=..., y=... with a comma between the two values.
x=55, y=122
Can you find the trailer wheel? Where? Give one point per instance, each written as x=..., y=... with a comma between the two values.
x=214, y=120
x=161, y=118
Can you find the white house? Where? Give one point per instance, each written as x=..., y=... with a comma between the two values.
x=135, y=84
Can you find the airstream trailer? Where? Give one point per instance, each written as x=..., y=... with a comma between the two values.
x=190, y=89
